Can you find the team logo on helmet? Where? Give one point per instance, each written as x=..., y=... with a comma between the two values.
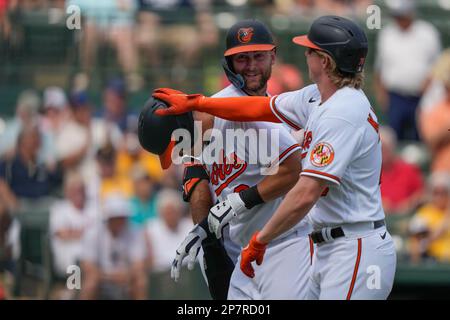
x=244, y=35
x=322, y=154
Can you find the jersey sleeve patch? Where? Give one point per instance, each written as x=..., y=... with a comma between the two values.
x=322, y=154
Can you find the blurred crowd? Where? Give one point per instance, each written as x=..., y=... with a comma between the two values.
x=412, y=88
x=114, y=212
x=99, y=179
x=143, y=33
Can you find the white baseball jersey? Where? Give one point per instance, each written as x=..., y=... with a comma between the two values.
x=341, y=145
x=235, y=168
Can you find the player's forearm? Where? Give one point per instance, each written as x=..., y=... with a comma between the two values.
x=238, y=108
x=277, y=185
x=200, y=201
x=294, y=207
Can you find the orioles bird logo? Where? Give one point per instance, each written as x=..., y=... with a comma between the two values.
x=245, y=35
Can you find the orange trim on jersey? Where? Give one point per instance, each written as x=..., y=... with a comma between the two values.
x=304, y=154
x=355, y=271
x=373, y=123
x=323, y=174
x=311, y=247
x=288, y=150
x=282, y=116
x=219, y=190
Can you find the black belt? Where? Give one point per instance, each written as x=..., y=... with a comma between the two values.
x=338, y=232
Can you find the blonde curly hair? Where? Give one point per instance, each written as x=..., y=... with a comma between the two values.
x=338, y=78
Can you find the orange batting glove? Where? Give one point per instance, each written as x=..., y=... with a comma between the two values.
x=254, y=251
x=178, y=102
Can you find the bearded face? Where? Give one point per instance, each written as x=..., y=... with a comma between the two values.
x=256, y=69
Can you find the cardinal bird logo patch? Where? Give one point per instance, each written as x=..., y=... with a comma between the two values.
x=322, y=154
x=244, y=35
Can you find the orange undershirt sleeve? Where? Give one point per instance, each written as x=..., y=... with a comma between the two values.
x=239, y=108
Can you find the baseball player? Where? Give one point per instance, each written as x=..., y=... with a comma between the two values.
x=245, y=198
x=339, y=186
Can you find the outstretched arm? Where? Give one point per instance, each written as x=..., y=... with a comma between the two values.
x=239, y=108
x=232, y=108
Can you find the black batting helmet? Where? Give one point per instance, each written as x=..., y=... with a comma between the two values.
x=155, y=132
x=341, y=38
x=244, y=36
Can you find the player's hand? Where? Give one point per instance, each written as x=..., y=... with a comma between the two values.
x=221, y=214
x=254, y=251
x=189, y=247
x=178, y=102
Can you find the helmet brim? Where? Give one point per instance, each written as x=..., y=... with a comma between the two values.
x=166, y=157
x=305, y=42
x=248, y=48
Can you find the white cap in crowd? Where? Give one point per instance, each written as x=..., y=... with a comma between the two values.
x=401, y=8
x=116, y=206
x=54, y=97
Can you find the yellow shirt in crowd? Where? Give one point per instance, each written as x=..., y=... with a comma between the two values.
x=148, y=161
x=116, y=185
x=122, y=182
x=434, y=218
